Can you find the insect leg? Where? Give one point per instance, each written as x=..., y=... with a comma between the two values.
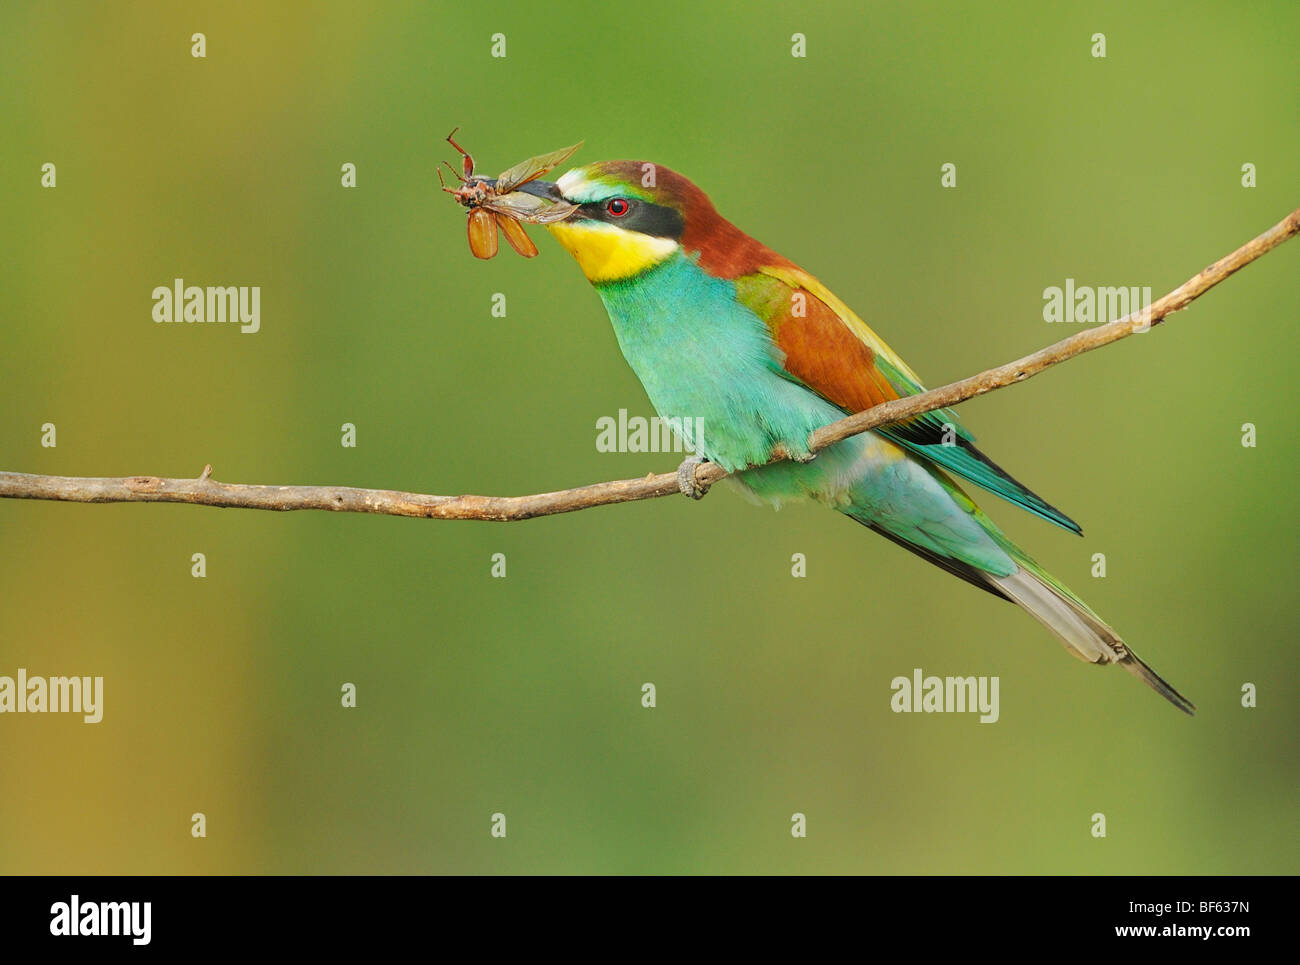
x=467, y=161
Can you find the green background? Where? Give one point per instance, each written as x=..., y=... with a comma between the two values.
x=522, y=695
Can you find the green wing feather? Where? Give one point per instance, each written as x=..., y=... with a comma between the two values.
x=821, y=353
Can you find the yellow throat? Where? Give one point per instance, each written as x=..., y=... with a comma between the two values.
x=608, y=253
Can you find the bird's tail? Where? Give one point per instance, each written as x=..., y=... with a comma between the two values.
x=1083, y=633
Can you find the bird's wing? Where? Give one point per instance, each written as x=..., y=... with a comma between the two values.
x=827, y=348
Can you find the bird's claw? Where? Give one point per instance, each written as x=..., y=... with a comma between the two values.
x=686, y=480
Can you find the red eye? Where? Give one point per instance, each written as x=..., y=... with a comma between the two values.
x=617, y=207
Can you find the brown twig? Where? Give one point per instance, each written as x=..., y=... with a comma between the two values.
x=205, y=491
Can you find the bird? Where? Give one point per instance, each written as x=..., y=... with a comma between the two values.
x=749, y=353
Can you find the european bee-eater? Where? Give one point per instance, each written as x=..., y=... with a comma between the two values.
x=727, y=335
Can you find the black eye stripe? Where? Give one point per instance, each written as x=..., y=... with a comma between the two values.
x=643, y=216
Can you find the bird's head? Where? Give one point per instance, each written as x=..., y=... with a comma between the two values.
x=634, y=215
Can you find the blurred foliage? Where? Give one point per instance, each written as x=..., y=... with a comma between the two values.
x=522, y=695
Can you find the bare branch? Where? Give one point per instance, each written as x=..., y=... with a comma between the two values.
x=205, y=491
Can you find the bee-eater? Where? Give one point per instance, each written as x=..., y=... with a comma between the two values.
x=731, y=338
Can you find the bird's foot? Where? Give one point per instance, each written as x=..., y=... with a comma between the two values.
x=779, y=451
x=686, y=480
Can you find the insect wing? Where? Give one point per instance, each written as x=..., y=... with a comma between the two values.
x=534, y=167
x=531, y=209
x=482, y=234
x=516, y=235
x=553, y=213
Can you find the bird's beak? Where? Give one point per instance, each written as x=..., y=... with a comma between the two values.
x=550, y=191
x=556, y=207
x=547, y=190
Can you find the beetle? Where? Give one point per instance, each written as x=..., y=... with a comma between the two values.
x=497, y=203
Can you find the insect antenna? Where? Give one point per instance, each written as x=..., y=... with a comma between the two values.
x=456, y=173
